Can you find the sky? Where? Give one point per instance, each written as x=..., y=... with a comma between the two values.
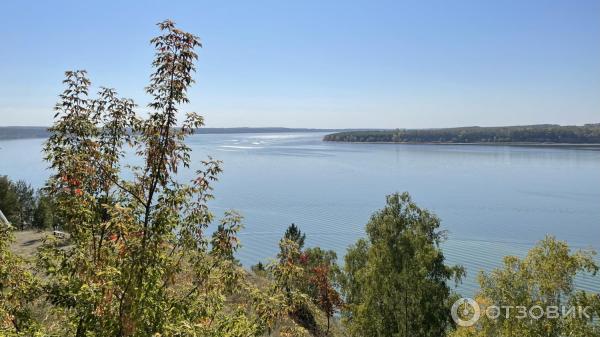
x=320, y=64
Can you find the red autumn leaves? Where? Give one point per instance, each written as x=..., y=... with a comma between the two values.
x=72, y=185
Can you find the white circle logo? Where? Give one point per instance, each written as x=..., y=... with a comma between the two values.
x=464, y=308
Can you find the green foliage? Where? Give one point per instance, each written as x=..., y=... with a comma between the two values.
x=23, y=207
x=316, y=256
x=43, y=215
x=317, y=264
x=395, y=282
x=308, y=260
x=293, y=233
x=543, y=278
x=285, y=290
x=288, y=273
x=9, y=201
x=308, y=280
x=259, y=269
x=18, y=289
x=138, y=261
x=26, y=204
x=587, y=134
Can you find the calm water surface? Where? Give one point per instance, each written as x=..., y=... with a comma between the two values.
x=493, y=200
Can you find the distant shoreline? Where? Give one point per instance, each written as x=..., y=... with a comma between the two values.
x=542, y=135
x=38, y=132
x=591, y=146
x=585, y=137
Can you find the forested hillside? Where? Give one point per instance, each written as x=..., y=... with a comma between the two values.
x=20, y=132
x=545, y=133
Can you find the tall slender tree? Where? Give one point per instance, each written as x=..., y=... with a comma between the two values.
x=327, y=297
x=138, y=261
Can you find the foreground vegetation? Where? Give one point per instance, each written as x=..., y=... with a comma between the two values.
x=139, y=260
x=587, y=134
x=24, y=207
x=543, y=280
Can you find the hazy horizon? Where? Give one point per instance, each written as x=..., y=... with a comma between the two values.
x=321, y=65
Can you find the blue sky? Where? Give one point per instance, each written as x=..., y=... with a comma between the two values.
x=331, y=64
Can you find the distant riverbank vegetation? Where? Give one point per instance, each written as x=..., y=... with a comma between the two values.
x=542, y=134
x=143, y=255
x=23, y=132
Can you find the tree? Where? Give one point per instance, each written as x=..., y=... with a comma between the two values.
x=9, y=200
x=294, y=234
x=313, y=257
x=327, y=297
x=322, y=276
x=544, y=279
x=25, y=204
x=288, y=280
x=138, y=261
x=259, y=269
x=43, y=215
x=24, y=208
x=395, y=282
x=288, y=273
x=306, y=279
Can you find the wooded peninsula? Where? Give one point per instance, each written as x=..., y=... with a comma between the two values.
x=526, y=134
